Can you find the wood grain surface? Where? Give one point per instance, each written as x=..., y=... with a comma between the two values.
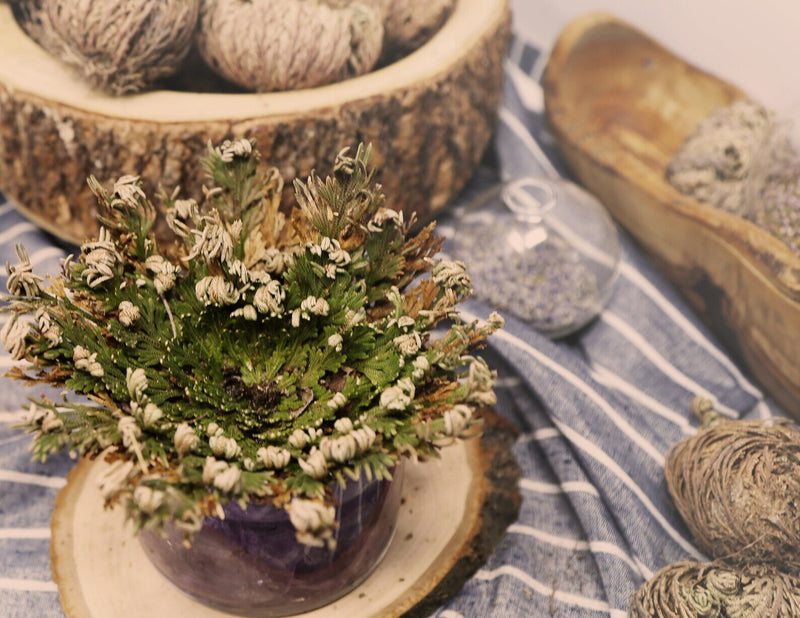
x=620, y=106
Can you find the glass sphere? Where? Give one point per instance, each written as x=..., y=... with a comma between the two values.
x=772, y=186
x=541, y=249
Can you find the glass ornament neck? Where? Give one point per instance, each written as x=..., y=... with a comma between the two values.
x=530, y=198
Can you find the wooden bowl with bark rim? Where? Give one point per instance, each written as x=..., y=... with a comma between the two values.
x=429, y=117
x=620, y=106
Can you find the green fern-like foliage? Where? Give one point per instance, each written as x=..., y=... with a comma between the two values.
x=259, y=356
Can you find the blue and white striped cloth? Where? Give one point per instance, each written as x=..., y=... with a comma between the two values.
x=598, y=412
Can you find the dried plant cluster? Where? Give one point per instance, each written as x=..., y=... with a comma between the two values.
x=692, y=590
x=125, y=46
x=713, y=163
x=266, y=46
x=261, y=356
x=120, y=46
x=744, y=159
x=736, y=485
x=407, y=24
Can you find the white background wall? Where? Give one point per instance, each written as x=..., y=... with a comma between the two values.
x=754, y=44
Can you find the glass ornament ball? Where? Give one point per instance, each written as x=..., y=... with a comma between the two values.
x=541, y=249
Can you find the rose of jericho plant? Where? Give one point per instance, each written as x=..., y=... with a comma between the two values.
x=118, y=46
x=259, y=356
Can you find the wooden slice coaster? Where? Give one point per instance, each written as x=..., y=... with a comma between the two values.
x=454, y=511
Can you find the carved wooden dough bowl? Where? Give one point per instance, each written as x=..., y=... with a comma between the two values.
x=620, y=106
x=429, y=117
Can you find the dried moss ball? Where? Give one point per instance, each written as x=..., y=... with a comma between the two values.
x=693, y=590
x=271, y=45
x=737, y=486
x=119, y=46
x=408, y=24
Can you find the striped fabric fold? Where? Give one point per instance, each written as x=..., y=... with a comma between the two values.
x=597, y=413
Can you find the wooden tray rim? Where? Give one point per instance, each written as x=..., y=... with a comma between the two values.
x=778, y=266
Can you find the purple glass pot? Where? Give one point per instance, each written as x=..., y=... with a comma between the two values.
x=250, y=562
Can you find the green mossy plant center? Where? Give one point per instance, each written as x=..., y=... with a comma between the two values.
x=260, y=355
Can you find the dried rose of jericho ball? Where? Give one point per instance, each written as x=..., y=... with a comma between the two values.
x=408, y=24
x=696, y=589
x=736, y=484
x=119, y=46
x=273, y=45
x=411, y=23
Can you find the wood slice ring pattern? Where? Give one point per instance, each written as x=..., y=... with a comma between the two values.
x=620, y=106
x=454, y=512
x=429, y=117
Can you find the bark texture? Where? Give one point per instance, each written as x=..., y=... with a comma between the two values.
x=427, y=140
